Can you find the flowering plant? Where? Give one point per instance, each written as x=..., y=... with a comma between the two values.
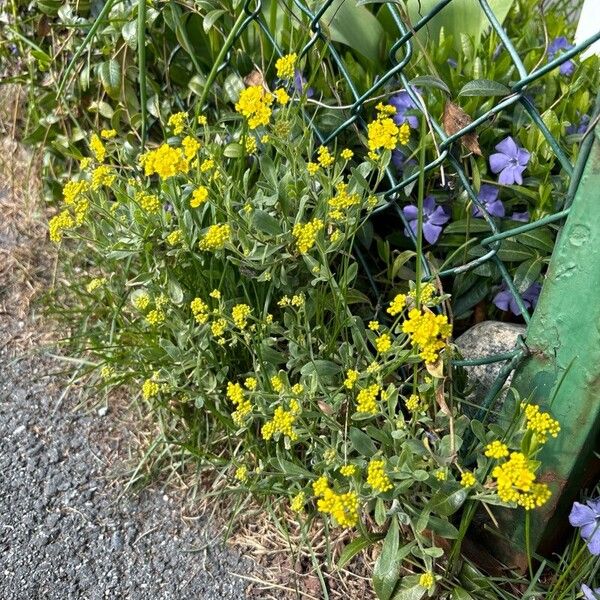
x=224, y=285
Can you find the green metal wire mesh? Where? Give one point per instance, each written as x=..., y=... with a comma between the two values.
x=399, y=58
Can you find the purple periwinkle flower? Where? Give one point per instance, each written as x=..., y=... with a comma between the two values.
x=434, y=217
x=504, y=299
x=580, y=127
x=400, y=162
x=556, y=48
x=510, y=162
x=587, y=518
x=300, y=82
x=452, y=62
x=589, y=593
x=403, y=103
x=523, y=217
x=488, y=196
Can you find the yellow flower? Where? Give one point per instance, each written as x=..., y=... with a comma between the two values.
x=441, y=475
x=148, y=202
x=216, y=237
x=347, y=154
x=413, y=403
x=175, y=237
x=177, y=122
x=216, y=294
x=85, y=163
x=324, y=157
x=102, y=175
x=282, y=422
x=284, y=301
x=366, y=401
x=207, y=165
x=383, y=133
x=241, y=473
x=155, y=317
x=348, y=470
x=397, y=305
x=265, y=139
x=297, y=300
x=72, y=190
x=377, y=477
x=250, y=146
x=427, y=580
x=240, y=314
x=306, y=234
x=541, y=423
x=251, y=383
x=199, y=196
x=515, y=479
x=342, y=201
x=218, y=327
x=199, y=310
x=254, y=104
x=351, y=378
x=496, y=449
x=427, y=292
x=150, y=389
x=312, y=168
x=383, y=343
x=190, y=147
x=141, y=301
x=427, y=332
x=108, y=134
x=164, y=161
x=277, y=383
x=467, y=479
x=297, y=389
x=95, y=283
x=202, y=120
x=58, y=224
x=298, y=502
x=107, y=372
x=97, y=147
x=285, y=66
x=281, y=96
x=342, y=507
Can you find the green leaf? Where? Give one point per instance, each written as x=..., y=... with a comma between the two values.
x=443, y=528
x=233, y=87
x=484, y=87
x=459, y=593
x=387, y=567
x=211, y=18
x=290, y=468
x=362, y=443
x=541, y=239
x=233, y=150
x=110, y=76
x=528, y=272
x=447, y=500
x=353, y=548
x=266, y=223
x=354, y=26
x=468, y=225
x=323, y=368
x=430, y=81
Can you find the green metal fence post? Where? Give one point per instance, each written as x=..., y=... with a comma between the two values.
x=562, y=369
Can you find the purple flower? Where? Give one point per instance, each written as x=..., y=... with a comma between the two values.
x=403, y=102
x=587, y=518
x=504, y=299
x=555, y=48
x=580, y=127
x=400, y=162
x=434, y=217
x=488, y=196
x=300, y=82
x=510, y=162
x=452, y=63
x=523, y=217
x=589, y=593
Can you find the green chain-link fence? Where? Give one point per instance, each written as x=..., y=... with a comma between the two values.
x=399, y=58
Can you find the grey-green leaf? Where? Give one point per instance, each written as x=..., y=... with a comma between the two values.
x=484, y=87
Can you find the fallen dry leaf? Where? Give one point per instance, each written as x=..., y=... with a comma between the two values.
x=455, y=119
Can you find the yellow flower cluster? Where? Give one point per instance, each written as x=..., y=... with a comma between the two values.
x=240, y=314
x=164, y=161
x=348, y=470
x=250, y=146
x=374, y=325
x=141, y=301
x=306, y=234
x=516, y=483
x=73, y=189
x=351, y=378
x=250, y=383
x=255, y=104
x=312, y=168
x=541, y=423
x=428, y=332
x=199, y=310
x=216, y=237
x=383, y=343
x=366, y=401
x=199, y=196
x=277, y=383
x=190, y=147
x=427, y=580
x=177, y=122
x=427, y=292
x=155, y=317
x=241, y=473
x=150, y=389
x=282, y=422
x=324, y=157
x=414, y=403
x=102, y=175
x=397, y=305
x=377, y=477
x=218, y=329
x=383, y=133
x=243, y=406
x=281, y=96
x=285, y=66
x=58, y=224
x=342, y=201
x=97, y=148
x=346, y=154
x=94, y=284
x=496, y=449
x=467, y=479
x=148, y=202
x=106, y=372
x=108, y=134
x=298, y=501
x=175, y=237
x=342, y=507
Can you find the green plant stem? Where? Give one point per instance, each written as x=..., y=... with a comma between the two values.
x=420, y=196
x=224, y=49
x=141, y=52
